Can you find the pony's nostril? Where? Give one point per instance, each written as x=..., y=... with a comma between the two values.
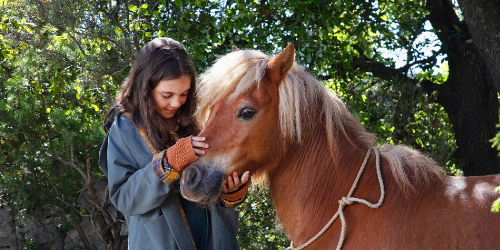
x=193, y=177
x=199, y=185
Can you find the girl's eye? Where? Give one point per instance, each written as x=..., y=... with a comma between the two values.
x=246, y=113
x=166, y=97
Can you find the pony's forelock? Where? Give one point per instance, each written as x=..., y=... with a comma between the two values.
x=229, y=77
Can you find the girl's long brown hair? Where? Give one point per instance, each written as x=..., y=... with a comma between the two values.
x=160, y=59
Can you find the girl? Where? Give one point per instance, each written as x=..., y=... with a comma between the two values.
x=148, y=144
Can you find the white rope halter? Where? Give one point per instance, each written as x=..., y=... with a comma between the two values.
x=349, y=200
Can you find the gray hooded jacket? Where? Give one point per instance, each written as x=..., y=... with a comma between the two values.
x=151, y=208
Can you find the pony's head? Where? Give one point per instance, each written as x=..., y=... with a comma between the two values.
x=254, y=109
x=239, y=113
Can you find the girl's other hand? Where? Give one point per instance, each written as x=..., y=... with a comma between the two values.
x=199, y=144
x=234, y=182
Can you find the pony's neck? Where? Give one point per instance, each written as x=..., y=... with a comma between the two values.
x=308, y=183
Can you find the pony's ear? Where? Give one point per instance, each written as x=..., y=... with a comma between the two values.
x=278, y=67
x=234, y=48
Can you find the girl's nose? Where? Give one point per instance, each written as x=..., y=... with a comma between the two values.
x=176, y=103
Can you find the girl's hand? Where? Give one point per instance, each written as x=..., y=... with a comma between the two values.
x=199, y=144
x=234, y=182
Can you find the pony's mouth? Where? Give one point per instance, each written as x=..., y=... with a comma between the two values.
x=201, y=184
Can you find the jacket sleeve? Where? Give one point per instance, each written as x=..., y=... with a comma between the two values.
x=237, y=197
x=134, y=188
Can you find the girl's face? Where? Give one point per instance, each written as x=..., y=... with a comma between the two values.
x=170, y=95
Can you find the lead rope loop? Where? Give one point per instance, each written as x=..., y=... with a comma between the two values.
x=349, y=200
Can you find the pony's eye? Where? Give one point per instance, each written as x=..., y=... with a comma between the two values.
x=246, y=113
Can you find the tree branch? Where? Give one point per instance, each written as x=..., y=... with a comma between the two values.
x=384, y=72
x=71, y=163
x=444, y=19
x=378, y=69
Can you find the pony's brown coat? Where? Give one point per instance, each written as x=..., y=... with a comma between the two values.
x=308, y=147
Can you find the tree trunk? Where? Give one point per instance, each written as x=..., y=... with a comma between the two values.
x=468, y=96
x=483, y=20
x=472, y=106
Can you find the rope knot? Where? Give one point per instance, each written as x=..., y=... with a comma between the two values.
x=345, y=201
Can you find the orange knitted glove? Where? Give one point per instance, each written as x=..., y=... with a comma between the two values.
x=237, y=196
x=181, y=154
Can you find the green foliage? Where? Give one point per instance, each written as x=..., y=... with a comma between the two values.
x=258, y=228
x=31, y=245
x=62, y=63
x=496, y=140
x=495, y=207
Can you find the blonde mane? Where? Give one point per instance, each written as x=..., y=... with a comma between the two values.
x=299, y=93
x=301, y=97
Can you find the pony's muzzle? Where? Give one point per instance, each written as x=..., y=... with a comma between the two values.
x=201, y=184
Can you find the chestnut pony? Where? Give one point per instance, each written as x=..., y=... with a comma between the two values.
x=331, y=186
